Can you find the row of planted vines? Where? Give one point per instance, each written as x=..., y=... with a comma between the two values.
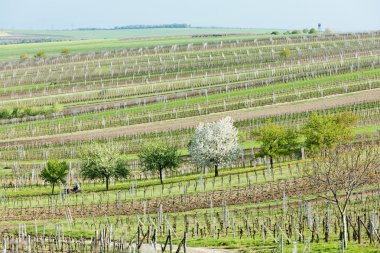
x=56, y=108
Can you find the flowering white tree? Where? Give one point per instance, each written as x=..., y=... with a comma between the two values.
x=215, y=144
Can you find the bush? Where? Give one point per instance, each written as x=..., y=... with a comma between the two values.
x=305, y=30
x=296, y=32
x=275, y=33
x=24, y=57
x=20, y=112
x=40, y=54
x=285, y=53
x=65, y=51
x=5, y=113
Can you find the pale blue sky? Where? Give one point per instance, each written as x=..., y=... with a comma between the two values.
x=340, y=15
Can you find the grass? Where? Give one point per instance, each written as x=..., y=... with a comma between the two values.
x=5, y=172
x=141, y=33
x=13, y=51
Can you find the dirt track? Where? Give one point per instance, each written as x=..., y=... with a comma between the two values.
x=183, y=123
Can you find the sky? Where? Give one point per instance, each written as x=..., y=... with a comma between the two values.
x=339, y=15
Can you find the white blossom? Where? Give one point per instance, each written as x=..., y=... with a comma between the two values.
x=215, y=144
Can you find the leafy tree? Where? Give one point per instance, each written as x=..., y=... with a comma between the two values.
x=66, y=51
x=305, y=30
x=312, y=31
x=158, y=158
x=40, y=54
x=215, y=144
x=275, y=33
x=285, y=53
x=323, y=132
x=54, y=173
x=103, y=161
x=342, y=170
x=276, y=141
x=296, y=32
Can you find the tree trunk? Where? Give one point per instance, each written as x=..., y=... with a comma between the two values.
x=52, y=188
x=216, y=170
x=345, y=235
x=271, y=162
x=162, y=182
x=107, y=182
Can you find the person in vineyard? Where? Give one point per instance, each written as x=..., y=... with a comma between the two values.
x=76, y=187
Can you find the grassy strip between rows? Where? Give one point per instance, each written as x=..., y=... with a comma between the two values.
x=193, y=101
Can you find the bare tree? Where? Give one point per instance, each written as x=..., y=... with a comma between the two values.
x=343, y=170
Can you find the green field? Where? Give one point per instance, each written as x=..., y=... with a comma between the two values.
x=139, y=33
x=81, y=41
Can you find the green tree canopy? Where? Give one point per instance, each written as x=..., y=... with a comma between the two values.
x=276, y=141
x=325, y=132
x=103, y=161
x=158, y=158
x=54, y=173
x=313, y=31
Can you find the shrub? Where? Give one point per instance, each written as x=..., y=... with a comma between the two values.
x=24, y=57
x=285, y=53
x=19, y=112
x=5, y=113
x=66, y=51
x=40, y=54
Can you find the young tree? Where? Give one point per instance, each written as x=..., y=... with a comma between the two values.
x=158, y=158
x=340, y=171
x=323, y=132
x=103, y=161
x=276, y=141
x=54, y=173
x=215, y=144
